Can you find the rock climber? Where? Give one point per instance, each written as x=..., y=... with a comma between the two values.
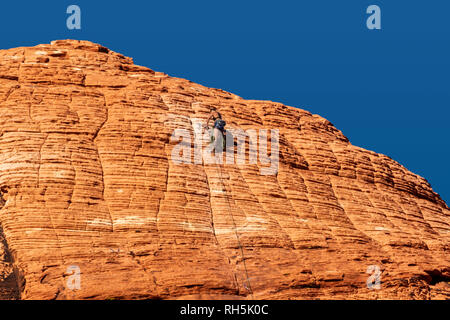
x=218, y=134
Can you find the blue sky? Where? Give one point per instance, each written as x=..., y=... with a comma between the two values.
x=388, y=90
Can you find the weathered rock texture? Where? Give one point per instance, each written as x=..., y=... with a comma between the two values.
x=87, y=180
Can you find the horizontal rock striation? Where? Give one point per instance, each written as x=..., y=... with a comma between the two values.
x=90, y=191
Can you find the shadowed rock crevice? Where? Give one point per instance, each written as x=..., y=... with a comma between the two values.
x=438, y=276
x=9, y=286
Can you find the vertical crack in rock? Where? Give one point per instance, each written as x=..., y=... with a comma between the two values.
x=227, y=196
x=40, y=160
x=214, y=231
x=210, y=210
x=163, y=198
x=94, y=140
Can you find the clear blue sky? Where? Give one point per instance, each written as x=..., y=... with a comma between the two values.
x=388, y=90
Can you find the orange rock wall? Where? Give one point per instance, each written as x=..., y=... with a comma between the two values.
x=88, y=181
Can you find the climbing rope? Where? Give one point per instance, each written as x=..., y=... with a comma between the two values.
x=248, y=287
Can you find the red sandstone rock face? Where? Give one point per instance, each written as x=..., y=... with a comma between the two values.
x=88, y=181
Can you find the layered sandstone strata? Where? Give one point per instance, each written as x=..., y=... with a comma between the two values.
x=88, y=183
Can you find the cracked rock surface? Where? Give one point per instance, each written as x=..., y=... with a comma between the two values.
x=87, y=180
